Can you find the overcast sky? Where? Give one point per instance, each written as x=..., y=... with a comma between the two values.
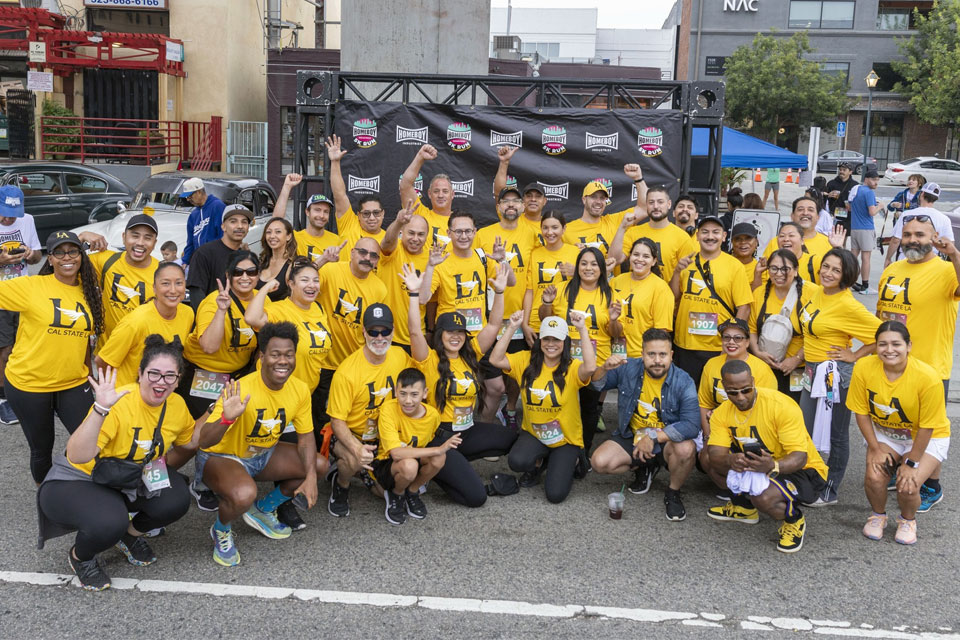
x=641, y=14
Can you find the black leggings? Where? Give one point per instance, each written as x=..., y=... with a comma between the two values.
x=783, y=384
x=458, y=478
x=589, y=414
x=560, y=463
x=692, y=361
x=35, y=412
x=101, y=514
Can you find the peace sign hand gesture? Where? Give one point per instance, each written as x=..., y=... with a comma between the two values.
x=223, y=295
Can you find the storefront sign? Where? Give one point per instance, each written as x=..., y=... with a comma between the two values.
x=38, y=52
x=740, y=5
x=126, y=4
x=174, y=52
x=716, y=66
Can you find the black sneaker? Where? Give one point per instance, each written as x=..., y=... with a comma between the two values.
x=582, y=467
x=415, y=506
x=857, y=287
x=136, y=549
x=643, y=478
x=675, y=510
x=339, y=503
x=288, y=515
x=394, y=511
x=724, y=495
x=91, y=575
x=530, y=478
x=206, y=500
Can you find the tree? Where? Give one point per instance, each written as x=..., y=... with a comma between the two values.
x=770, y=84
x=931, y=70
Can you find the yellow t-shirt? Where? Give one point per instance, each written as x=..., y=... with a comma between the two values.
x=900, y=408
x=816, y=247
x=389, y=272
x=127, y=431
x=124, y=348
x=544, y=270
x=359, y=389
x=125, y=286
x=595, y=234
x=438, y=224
x=313, y=330
x=595, y=305
x=921, y=296
x=534, y=227
x=550, y=414
x=349, y=229
x=344, y=298
x=268, y=413
x=646, y=415
x=238, y=344
x=397, y=429
x=774, y=305
x=50, y=351
x=699, y=314
x=775, y=420
x=831, y=321
x=644, y=304
x=461, y=393
x=711, y=393
x=518, y=243
x=460, y=284
x=672, y=243
x=312, y=246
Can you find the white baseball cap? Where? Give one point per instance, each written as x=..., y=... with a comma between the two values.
x=554, y=327
x=932, y=188
x=191, y=185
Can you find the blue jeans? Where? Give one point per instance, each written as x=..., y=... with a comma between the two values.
x=253, y=465
x=839, y=428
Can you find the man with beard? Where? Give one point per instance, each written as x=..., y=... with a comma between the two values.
x=658, y=420
x=672, y=243
x=364, y=381
x=365, y=223
x=534, y=199
x=440, y=193
x=837, y=191
x=210, y=261
x=593, y=228
x=404, y=243
x=922, y=292
x=685, y=213
x=929, y=194
x=816, y=244
x=314, y=238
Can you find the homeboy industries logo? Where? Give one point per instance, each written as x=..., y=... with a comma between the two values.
x=458, y=136
x=365, y=133
x=463, y=188
x=555, y=191
x=608, y=185
x=417, y=184
x=511, y=181
x=603, y=142
x=554, y=140
x=650, y=141
x=363, y=185
x=411, y=136
x=499, y=139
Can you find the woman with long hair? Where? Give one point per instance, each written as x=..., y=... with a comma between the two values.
x=550, y=264
x=645, y=302
x=278, y=249
x=61, y=310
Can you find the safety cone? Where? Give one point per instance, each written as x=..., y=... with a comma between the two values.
x=789, y=179
x=757, y=177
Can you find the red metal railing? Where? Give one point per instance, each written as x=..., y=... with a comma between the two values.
x=203, y=143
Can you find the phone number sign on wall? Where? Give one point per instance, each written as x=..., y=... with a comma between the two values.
x=127, y=4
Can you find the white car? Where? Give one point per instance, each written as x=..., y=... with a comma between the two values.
x=157, y=196
x=943, y=172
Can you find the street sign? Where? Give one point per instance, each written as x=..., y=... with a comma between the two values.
x=38, y=52
x=841, y=129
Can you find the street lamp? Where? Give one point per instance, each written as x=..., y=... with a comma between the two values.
x=871, y=80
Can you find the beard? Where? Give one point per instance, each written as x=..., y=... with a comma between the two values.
x=916, y=252
x=378, y=349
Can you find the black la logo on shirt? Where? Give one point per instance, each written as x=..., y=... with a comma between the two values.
x=716, y=390
x=143, y=446
x=807, y=318
x=377, y=395
x=695, y=284
x=264, y=428
x=536, y=397
x=239, y=336
x=546, y=275
x=347, y=309
x=122, y=294
x=628, y=303
x=645, y=410
x=462, y=386
x=889, y=290
x=515, y=250
x=883, y=411
x=67, y=318
x=753, y=434
x=318, y=334
x=468, y=288
x=598, y=240
x=591, y=312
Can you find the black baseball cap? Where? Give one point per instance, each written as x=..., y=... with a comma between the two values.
x=507, y=190
x=704, y=220
x=533, y=186
x=744, y=229
x=58, y=238
x=451, y=321
x=378, y=315
x=734, y=322
x=141, y=219
x=843, y=165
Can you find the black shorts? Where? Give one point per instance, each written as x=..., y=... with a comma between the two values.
x=383, y=472
x=804, y=485
x=627, y=445
x=487, y=370
x=9, y=320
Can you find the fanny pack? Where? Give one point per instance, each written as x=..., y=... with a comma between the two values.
x=120, y=473
x=502, y=484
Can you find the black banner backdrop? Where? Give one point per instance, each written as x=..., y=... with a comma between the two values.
x=562, y=149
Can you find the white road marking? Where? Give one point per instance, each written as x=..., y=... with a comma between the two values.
x=501, y=607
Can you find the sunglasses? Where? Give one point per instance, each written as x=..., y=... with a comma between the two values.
x=739, y=392
x=364, y=253
x=371, y=213
x=379, y=333
x=249, y=271
x=919, y=217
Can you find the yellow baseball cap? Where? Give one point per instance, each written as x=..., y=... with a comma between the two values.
x=593, y=187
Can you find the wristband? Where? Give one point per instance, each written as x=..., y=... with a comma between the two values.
x=638, y=180
x=413, y=294
x=910, y=463
x=97, y=410
x=226, y=422
x=498, y=292
x=97, y=405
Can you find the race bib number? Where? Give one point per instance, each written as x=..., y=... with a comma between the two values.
x=474, y=318
x=576, y=349
x=796, y=380
x=898, y=317
x=11, y=271
x=900, y=435
x=618, y=347
x=841, y=213
x=548, y=433
x=371, y=435
x=462, y=418
x=517, y=335
x=806, y=382
x=207, y=384
x=702, y=324
x=155, y=475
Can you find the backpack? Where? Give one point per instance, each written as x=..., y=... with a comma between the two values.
x=777, y=330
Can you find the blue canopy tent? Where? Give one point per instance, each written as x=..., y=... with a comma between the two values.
x=740, y=150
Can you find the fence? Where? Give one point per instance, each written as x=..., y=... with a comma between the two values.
x=247, y=148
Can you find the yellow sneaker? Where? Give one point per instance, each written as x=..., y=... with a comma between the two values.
x=734, y=513
x=791, y=536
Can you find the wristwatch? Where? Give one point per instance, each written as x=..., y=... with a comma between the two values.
x=775, y=471
x=910, y=463
x=652, y=433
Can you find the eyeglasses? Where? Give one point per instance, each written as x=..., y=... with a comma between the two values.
x=733, y=338
x=156, y=376
x=511, y=201
x=249, y=271
x=379, y=333
x=739, y=392
x=919, y=217
x=60, y=254
x=784, y=270
x=371, y=213
x=463, y=232
x=366, y=253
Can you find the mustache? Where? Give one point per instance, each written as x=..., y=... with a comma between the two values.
x=367, y=263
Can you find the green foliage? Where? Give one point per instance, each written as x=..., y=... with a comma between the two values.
x=931, y=70
x=64, y=133
x=770, y=84
x=731, y=177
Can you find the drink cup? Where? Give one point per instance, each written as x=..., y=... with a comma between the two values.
x=615, y=503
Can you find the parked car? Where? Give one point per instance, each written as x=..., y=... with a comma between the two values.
x=61, y=195
x=829, y=161
x=158, y=196
x=943, y=172
x=954, y=221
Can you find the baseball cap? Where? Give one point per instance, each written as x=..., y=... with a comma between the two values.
x=843, y=165
x=142, y=220
x=593, y=187
x=705, y=219
x=234, y=209
x=932, y=188
x=533, y=186
x=451, y=321
x=744, y=229
x=871, y=174
x=319, y=197
x=734, y=322
x=191, y=185
x=554, y=327
x=58, y=238
x=507, y=190
x=378, y=315
x=11, y=202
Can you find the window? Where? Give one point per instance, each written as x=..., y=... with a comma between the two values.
x=839, y=69
x=893, y=19
x=821, y=14
x=39, y=184
x=129, y=21
x=545, y=49
x=888, y=77
x=79, y=183
x=266, y=203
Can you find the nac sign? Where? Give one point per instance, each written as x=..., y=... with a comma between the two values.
x=740, y=5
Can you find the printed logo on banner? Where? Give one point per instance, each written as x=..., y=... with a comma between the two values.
x=363, y=185
x=633, y=193
x=365, y=133
x=458, y=136
x=417, y=184
x=511, y=182
x=498, y=139
x=555, y=191
x=608, y=185
x=463, y=188
x=554, y=140
x=650, y=142
x=411, y=136
x=603, y=142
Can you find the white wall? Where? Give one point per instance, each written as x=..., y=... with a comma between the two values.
x=574, y=29
x=638, y=48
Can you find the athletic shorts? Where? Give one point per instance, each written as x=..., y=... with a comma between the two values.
x=8, y=327
x=627, y=445
x=773, y=186
x=863, y=239
x=383, y=473
x=804, y=485
x=937, y=447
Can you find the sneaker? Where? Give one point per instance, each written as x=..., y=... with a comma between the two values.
x=154, y=533
x=7, y=416
x=643, y=478
x=225, y=553
x=509, y=421
x=288, y=515
x=675, y=510
x=724, y=495
x=415, y=506
x=339, y=503
x=906, y=531
x=266, y=523
x=791, y=536
x=90, y=574
x=876, y=523
x=332, y=471
x=892, y=485
x=821, y=501
x=530, y=478
x=601, y=425
x=582, y=467
x=928, y=498
x=394, y=510
x=856, y=287
x=138, y=552
x=206, y=500
x=734, y=513
x=868, y=291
